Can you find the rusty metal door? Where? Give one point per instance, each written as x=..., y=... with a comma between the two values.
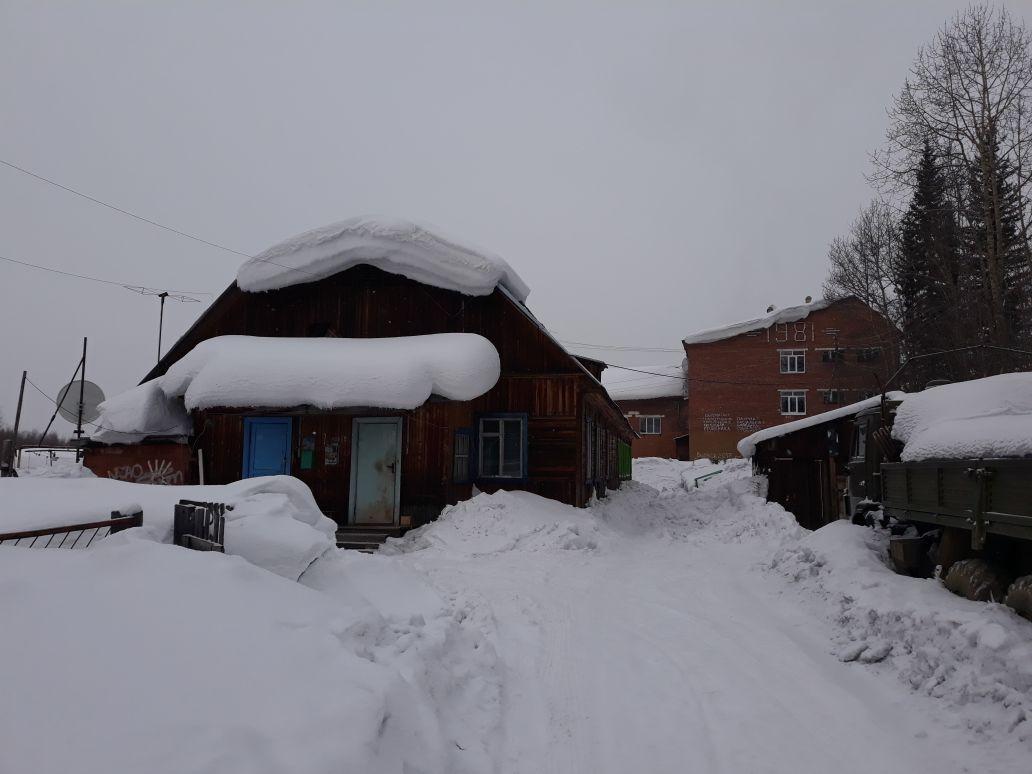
x=375, y=470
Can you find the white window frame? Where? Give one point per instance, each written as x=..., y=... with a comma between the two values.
x=792, y=397
x=644, y=420
x=500, y=435
x=787, y=358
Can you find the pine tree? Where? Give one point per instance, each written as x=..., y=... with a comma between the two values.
x=927, y=272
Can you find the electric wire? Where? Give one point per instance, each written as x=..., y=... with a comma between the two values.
x=142, y=289
x=171, y=229
x=119, y=209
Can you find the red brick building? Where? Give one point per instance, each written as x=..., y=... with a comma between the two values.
x=791, y=363
x=653, y=400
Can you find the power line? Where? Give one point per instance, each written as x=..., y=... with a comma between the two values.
x=186, y=234
x=119, y=209
x=616, y=347
x=698, y=379
x=142, y=289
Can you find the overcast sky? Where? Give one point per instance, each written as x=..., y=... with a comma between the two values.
x=648, y=168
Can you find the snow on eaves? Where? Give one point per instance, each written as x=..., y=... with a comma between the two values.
x=327, y=373
x=142, y=411
x=393, y=245
x=747, y=446
x=664, y=381
x=786, y=315
x=981, y=418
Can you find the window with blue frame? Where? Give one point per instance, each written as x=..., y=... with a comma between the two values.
x=502, y=444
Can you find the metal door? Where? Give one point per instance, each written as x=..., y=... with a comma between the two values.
x=266, y=446
x=375, y=470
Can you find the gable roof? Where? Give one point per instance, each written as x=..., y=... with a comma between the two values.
x=786, y=315
x=392, y=244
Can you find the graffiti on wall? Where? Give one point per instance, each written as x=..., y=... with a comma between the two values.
x=156, y=471
x=748, y=424
x=716, y=423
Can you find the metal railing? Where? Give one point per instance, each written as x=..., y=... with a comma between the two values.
x=72, y=535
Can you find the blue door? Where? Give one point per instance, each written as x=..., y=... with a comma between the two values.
x=266, y=446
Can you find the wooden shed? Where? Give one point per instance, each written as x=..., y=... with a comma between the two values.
x=806, y=463
x=544, y=424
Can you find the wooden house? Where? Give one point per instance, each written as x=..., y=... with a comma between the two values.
x=392, y=370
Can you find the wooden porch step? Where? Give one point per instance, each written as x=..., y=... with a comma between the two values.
x=366, y=539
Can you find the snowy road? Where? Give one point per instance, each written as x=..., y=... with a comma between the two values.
x=658, y=646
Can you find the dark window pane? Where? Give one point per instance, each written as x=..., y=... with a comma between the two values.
x=513, y=463
x=489, y=425
x=489, y=455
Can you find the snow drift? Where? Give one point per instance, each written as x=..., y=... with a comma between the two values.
x=274, y=521
x=394, y=245
x=989, y=417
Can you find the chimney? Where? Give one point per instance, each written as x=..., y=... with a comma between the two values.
x=808, y=299
x=770, y=308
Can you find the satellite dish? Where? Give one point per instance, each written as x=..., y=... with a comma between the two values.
x=92, y=397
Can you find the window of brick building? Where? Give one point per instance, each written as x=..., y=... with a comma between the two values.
x=793, y=361
x=650, y=425
x=793, y=402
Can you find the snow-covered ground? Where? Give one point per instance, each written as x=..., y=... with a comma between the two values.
x=668, y=628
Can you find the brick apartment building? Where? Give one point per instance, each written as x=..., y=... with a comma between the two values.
x=791, y=363
x=653, y=400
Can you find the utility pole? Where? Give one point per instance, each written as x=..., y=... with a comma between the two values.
x=7, y=464
x=161, y=319
x=82, y=389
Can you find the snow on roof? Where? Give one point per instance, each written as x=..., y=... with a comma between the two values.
x=747, y=446
x=663, y=381
x=401, y=373
x=989, y=417
x=140, y=412
x=394, y=245
x=786, y=315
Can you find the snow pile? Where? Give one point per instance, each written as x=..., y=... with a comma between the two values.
x=502, y=522
x=974, y=656
x=747, y=446
x=204, y=663
x=394, y=245
x=401, y=373
x=664, y=381
x=787, y=315
x=142, y=411
x=62, y=467
x=274, y=522
x=989, y=417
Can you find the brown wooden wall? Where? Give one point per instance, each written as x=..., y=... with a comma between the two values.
x=427, y=446
x=539, y=378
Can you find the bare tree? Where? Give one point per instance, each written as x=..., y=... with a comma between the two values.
x=969, y=95
x=863, y=263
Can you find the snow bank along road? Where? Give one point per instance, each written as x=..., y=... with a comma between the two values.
x=652, y=634
x=665, y=629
